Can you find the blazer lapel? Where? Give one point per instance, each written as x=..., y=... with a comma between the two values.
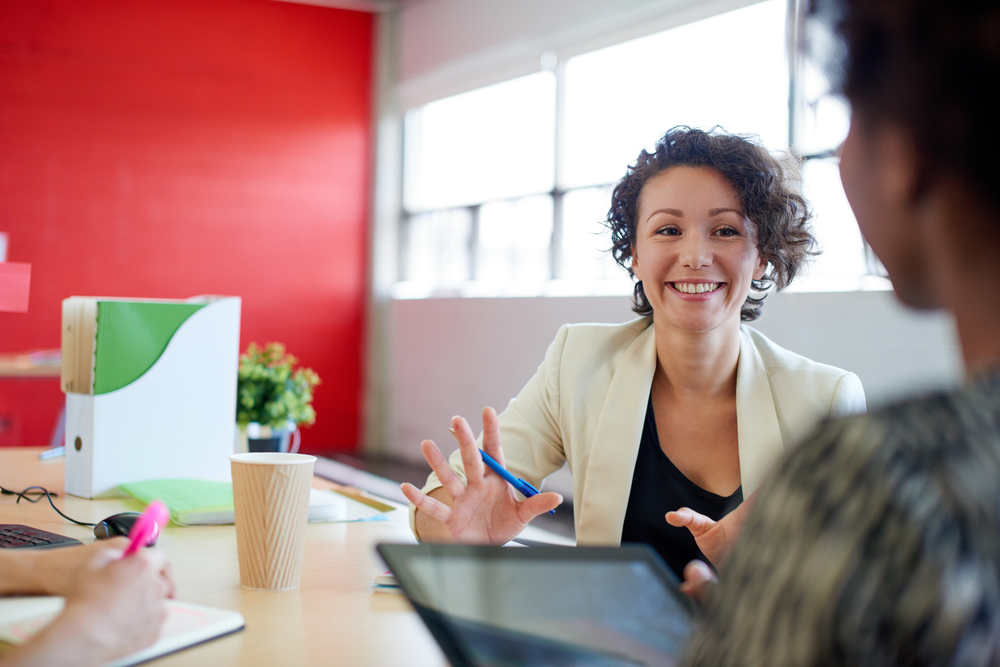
x=608, y=477
x=756, y=418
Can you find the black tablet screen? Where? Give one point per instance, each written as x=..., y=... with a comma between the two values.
x=546, y=606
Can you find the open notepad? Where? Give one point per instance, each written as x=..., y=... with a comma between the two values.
x=204, y=503
x=187, y=624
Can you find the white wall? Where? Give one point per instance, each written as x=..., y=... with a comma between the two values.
x=454, y=356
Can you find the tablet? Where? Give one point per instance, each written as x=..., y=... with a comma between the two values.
x=551, y=606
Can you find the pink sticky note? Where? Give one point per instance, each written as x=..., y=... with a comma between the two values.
x=15, y=277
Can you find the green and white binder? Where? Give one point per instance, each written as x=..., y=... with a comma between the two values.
x=150, y=390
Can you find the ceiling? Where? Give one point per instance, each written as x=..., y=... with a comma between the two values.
x=359, y=5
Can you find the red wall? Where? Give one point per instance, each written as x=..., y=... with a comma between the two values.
x=169, y=148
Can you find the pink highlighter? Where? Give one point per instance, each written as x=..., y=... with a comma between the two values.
x=147, y=527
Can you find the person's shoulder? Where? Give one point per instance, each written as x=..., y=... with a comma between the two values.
x=941, y=420
x=778, y=359
x=972, y=406
x=602, y=335
x=583, y=350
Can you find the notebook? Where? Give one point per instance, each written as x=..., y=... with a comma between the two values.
x=187, y=624
x=543, y=606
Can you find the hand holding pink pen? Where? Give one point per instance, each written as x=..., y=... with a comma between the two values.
x=147, y=527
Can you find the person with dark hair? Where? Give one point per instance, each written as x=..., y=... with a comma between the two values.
x=681, y=408
x=877, y=540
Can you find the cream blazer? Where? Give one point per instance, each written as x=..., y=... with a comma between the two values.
x=586, y=406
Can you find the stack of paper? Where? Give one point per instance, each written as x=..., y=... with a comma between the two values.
x=194, y=502
x=386, y=583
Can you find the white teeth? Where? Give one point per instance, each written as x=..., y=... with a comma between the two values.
x=696, y=288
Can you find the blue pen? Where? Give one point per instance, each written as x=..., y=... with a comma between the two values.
x=527, y=490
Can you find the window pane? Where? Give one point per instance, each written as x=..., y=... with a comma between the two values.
x=585, y=256
x=836, y=229
x=728, y=70
x=825, y=118
x=492, y=143
x=437, y=248
x=514, y=240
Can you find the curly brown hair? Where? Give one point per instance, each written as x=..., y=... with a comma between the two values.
x=780, y=216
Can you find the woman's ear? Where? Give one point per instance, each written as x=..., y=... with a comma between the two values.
x=761, y=267
x=635, y=262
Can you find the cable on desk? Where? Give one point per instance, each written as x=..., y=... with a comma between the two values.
x=34, y=493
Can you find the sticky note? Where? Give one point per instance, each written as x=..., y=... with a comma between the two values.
x=15, y=277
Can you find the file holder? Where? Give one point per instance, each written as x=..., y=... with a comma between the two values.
x=136, y=415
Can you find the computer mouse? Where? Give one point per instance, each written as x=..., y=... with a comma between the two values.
x=119, y=525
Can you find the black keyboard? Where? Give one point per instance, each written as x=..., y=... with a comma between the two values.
x=14, y=536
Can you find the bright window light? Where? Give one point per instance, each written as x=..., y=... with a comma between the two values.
x=487, y=144
x=493, y=206
x=728, y=70
x=514, y=240
x=437, y=248
x=825, y=118
x=586, y=241
x=834, y=225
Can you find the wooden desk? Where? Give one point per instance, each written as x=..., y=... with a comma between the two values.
x=332, y=618
x=43, y=364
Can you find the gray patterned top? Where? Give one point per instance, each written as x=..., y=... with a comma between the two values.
x=875, y=542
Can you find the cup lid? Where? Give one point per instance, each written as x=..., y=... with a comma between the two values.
x=271, y=458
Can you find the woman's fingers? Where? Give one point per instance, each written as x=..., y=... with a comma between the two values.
x=698, y=580
x=698, y=524
x=425, y=503
x=714, y=538
x=471, y=458
x=439, y=464
x=491, y=435
x=158, y=561
x=531, y=507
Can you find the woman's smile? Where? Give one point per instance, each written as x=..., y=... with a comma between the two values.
x=697, y=288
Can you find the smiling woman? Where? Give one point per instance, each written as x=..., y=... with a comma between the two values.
x=684, y=407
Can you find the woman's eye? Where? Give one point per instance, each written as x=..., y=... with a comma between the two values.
x=728, y=231
x=669, y=231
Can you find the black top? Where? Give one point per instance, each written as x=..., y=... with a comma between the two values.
x=659, y=487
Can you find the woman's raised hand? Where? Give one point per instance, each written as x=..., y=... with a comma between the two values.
x=484, y=510
x=714, y=538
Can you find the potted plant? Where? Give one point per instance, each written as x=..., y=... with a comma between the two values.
x=273, y=398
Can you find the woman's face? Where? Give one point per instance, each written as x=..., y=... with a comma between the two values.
x=695, y=250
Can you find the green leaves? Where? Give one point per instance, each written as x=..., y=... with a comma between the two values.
x=270, y=392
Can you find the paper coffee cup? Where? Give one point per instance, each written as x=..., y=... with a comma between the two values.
x=271, y=502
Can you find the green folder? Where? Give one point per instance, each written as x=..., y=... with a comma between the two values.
x=192, y=502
